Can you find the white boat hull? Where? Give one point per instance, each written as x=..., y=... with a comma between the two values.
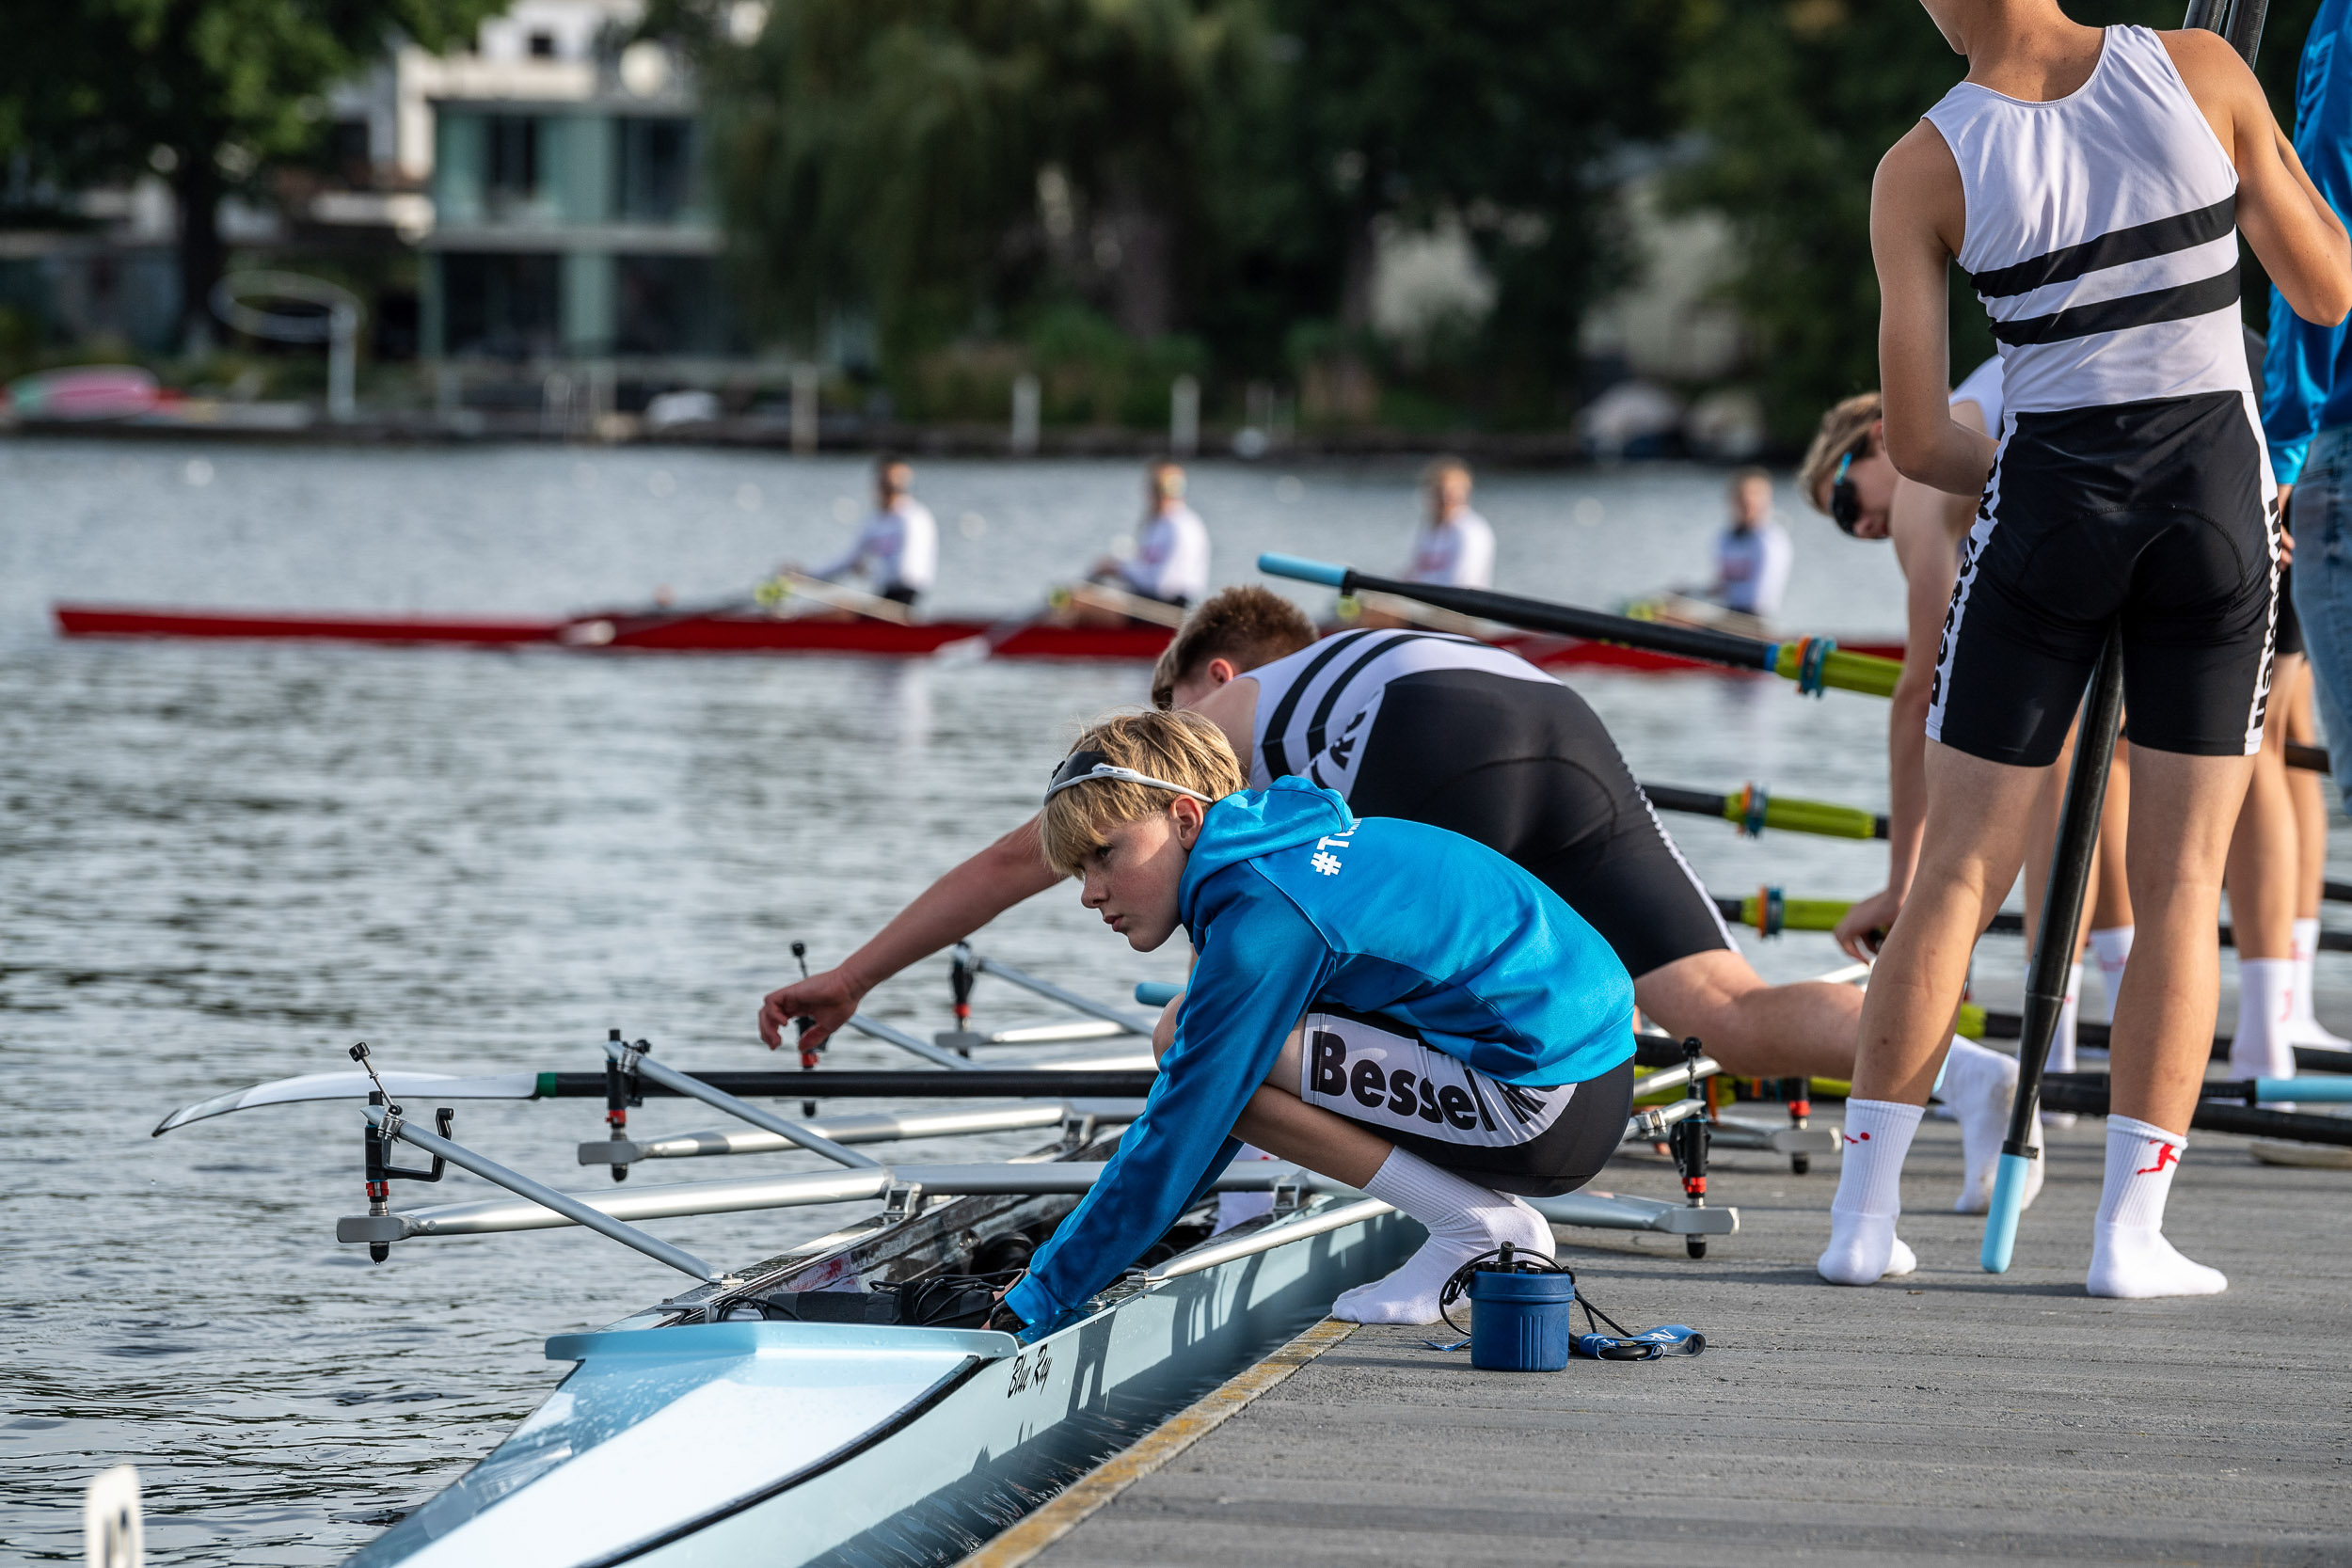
x=777, y=1444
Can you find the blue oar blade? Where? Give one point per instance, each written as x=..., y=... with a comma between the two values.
x=2000, y=1220
x=1276, y=565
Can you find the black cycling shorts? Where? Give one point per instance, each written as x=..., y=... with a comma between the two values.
x=1527, y=768
x=1379, y=1073
x=2149, y=512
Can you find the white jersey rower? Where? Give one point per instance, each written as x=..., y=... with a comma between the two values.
x=897, y=547
x=1172, y=558
x=1457, y=547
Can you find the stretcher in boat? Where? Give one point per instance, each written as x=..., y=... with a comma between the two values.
x=752, y=631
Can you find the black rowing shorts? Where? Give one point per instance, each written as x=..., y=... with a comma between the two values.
x=2153, y=511
x=1382, y=1075
x=1526, y=767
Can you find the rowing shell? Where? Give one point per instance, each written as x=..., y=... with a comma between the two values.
x=748, y=632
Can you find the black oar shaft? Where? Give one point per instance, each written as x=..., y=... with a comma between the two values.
x=1712, y=647
x=978, y=1083
x=2062, y=899
x=2068, y=1092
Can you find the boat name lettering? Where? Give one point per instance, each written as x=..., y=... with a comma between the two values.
x=1027, y=1373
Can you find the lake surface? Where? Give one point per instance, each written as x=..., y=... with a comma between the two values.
x=220, y=864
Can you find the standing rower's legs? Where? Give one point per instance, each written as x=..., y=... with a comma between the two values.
x=1757, y=1030
x=1978, y=815
x=2111, y=910
x=2186, y=808
x=2264, y=867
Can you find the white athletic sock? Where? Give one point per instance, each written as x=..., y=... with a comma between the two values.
x=2110, y=948
x=1980, y=1085
x=1463, y=1219
x=2306, y=1029
x=2061, y=1056
x=1863, y=1247
x=2263, y=1048
x=2129, y=1256
x=1234, y=1208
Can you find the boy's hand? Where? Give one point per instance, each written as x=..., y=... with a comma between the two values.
x=827, y=1000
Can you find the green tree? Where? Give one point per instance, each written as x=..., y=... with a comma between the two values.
x=209, y=92
x=939, y=163
x=1506, y=114
x=1798, y=103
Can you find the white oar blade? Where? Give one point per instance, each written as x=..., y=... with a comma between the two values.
x=432, y=1087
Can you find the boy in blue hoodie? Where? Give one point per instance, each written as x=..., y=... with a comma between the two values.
x=1388, y=1003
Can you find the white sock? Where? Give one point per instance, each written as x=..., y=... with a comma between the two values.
x=2306, y=1029
x=2263, y=1048
x=1980, y=1085
x=1863, y=1247
x=2061, y=1056
x=2129, y=1256
x=2110, y=948
x=1463, y=1219
x=1234, y=1208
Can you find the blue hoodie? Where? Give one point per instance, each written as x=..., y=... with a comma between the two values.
x=2307, y=371
x=1291, y=903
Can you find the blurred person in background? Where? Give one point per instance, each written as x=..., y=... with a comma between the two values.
x=897, y=547
x=1456, y=548
x=1171, y=559
x=1753, y=555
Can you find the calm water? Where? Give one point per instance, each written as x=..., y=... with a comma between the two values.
x=222, y=864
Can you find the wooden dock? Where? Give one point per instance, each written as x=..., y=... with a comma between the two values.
x=1953, y=1418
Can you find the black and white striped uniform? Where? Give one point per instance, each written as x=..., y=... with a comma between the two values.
x=2132, y=479
x=1449, y=730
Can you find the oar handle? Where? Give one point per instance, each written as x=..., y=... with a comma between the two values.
x=1304, y=570
x=1156, y=993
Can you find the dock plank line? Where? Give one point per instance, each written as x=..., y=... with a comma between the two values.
x=1107, y=1480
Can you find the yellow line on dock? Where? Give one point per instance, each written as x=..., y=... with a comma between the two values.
x=1172, y=1438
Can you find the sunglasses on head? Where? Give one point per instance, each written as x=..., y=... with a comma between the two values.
x=1845, y=503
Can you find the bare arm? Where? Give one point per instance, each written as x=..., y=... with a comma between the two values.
x=1918, y=211
x=2299, y=239
x=1007, y=871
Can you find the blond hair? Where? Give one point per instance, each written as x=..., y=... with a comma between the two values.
x=1841, y=427
x=1179, y=748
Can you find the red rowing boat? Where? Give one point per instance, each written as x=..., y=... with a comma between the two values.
x=752, y=632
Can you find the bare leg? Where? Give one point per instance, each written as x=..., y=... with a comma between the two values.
x=2183, y=813
x=2186, y=808
x=1978, y=817
x=2263, y=872
x=2111, y=910
x=1754, y=1029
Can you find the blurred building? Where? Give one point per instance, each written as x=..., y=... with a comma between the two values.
x=536, y=197
x=552, y=180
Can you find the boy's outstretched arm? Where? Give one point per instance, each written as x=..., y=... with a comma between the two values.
x=959, y=903
x=2299, y=239
x=1918, y=209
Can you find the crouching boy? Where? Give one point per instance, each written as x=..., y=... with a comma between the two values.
x=1391, y=1005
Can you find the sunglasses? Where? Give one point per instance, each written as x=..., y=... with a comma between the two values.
x=1845, y=505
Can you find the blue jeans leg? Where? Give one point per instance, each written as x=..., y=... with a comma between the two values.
x=2320, y=518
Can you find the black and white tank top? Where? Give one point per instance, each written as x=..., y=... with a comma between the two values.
x=2102, y=234
x=1316, y=707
